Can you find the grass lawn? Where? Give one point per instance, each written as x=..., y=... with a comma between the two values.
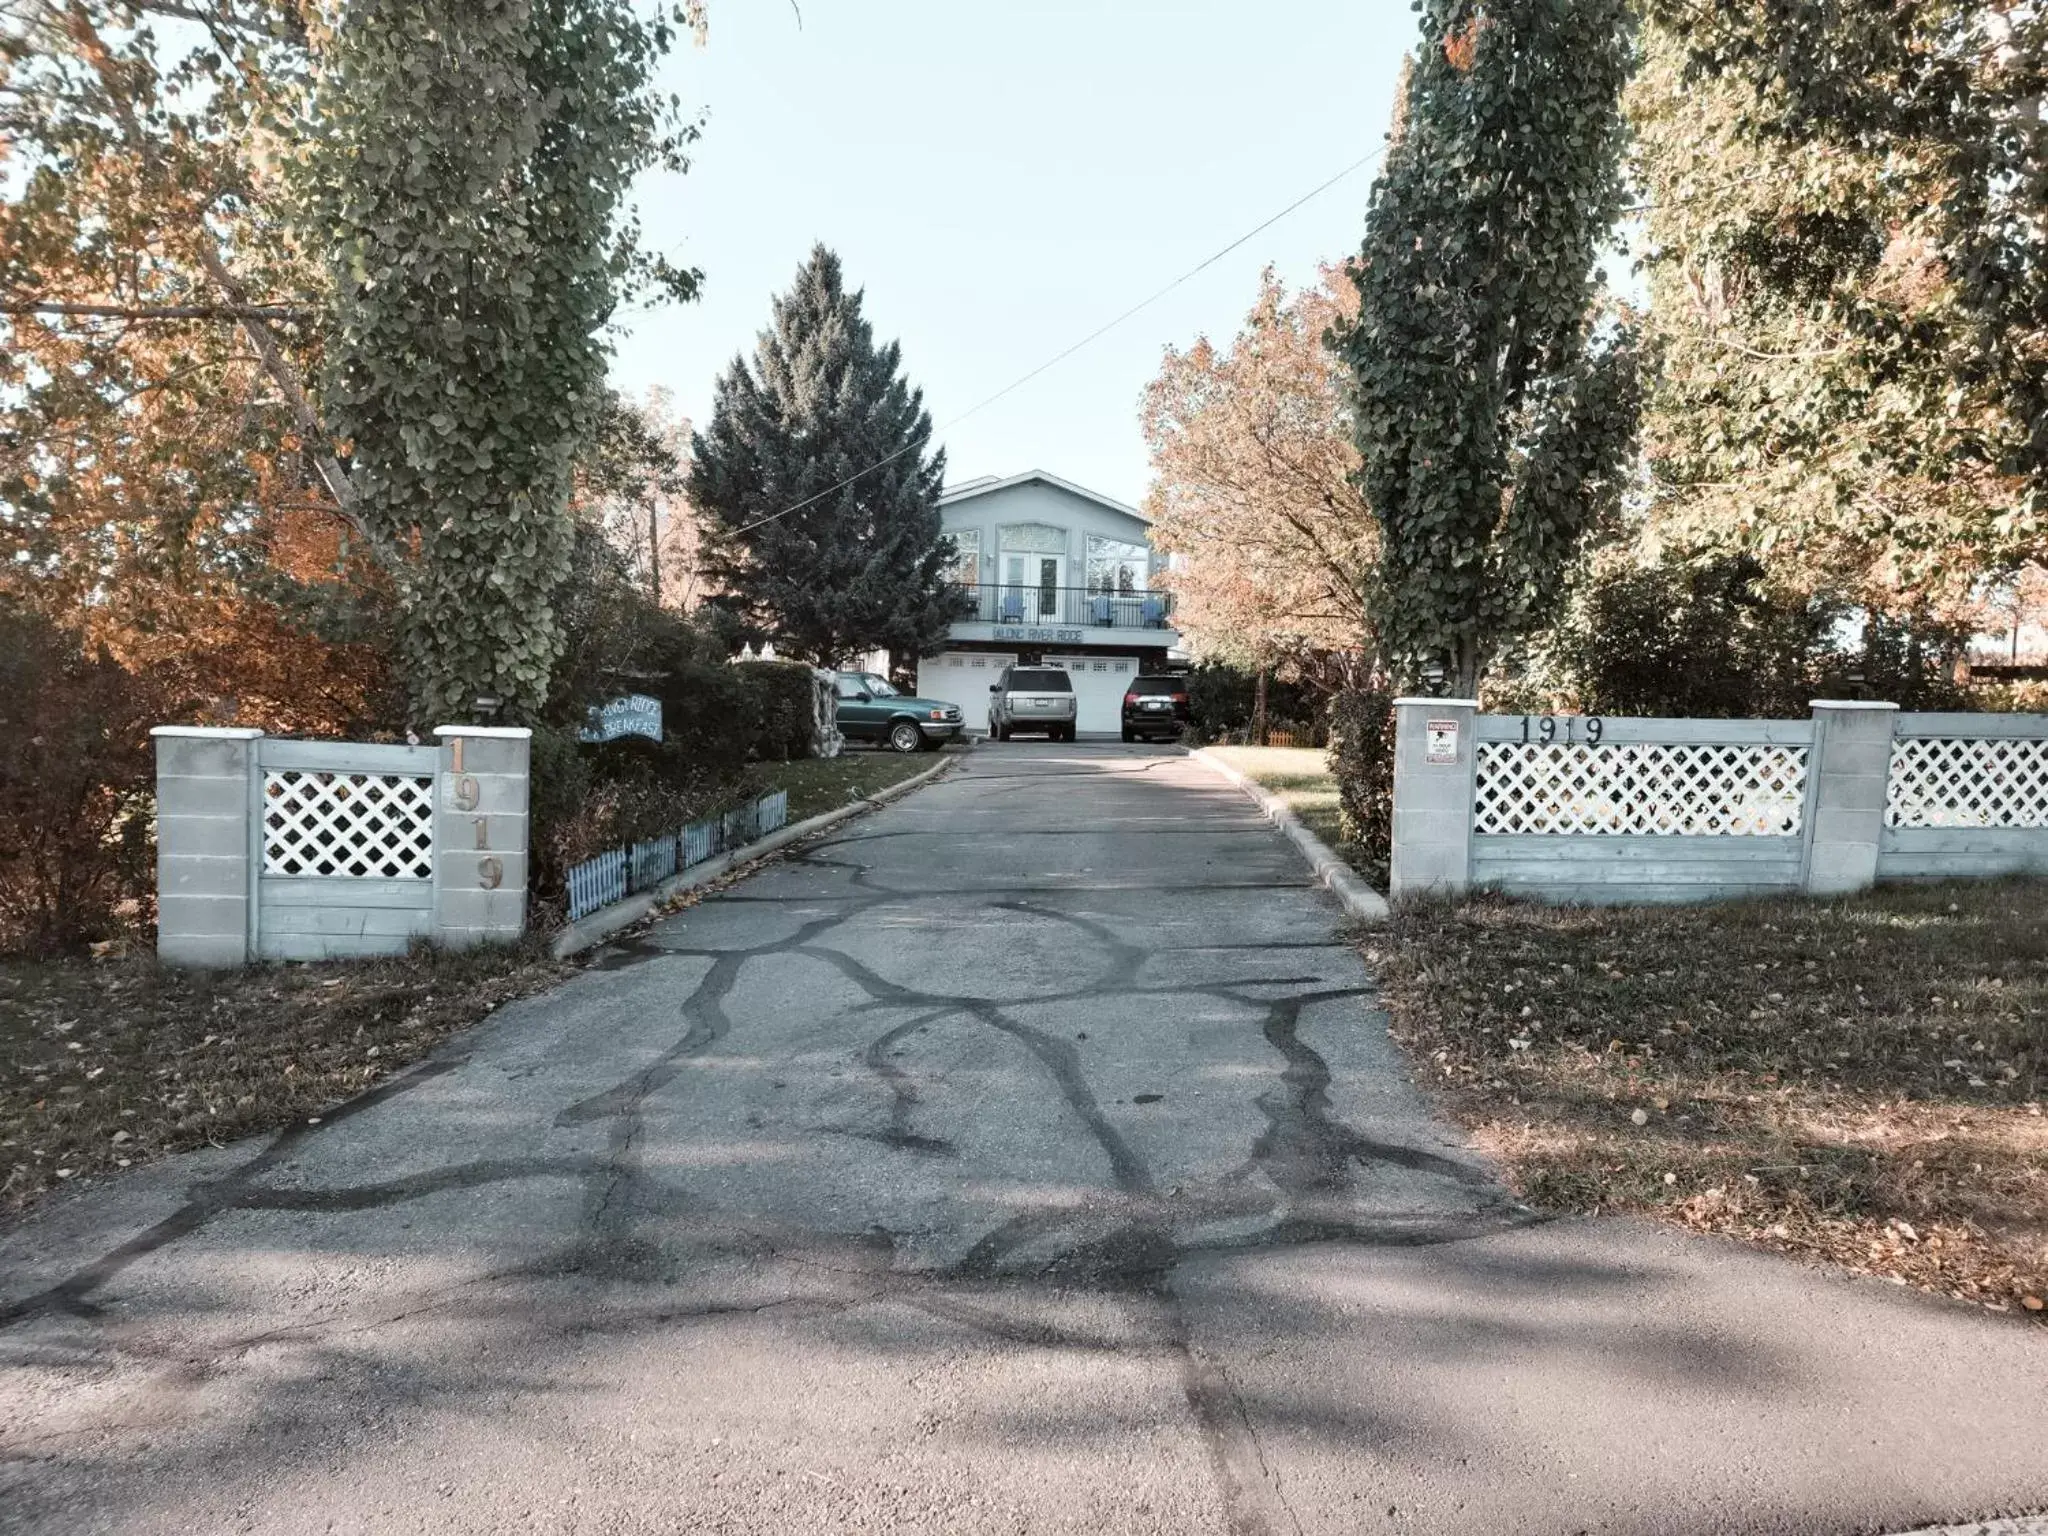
x=1301, y=776
x=820, y=784
x=1859, y=1081
x=112, y=1062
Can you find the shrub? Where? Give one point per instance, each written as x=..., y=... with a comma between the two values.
x=1362, y=761
x=589, y=797
x=1710, y=638
x=1700, y=638
x=1221, y=699
x=1912, y=665
x=708, y=714
x=781, y=711
x=557, y=793
x=76, y=778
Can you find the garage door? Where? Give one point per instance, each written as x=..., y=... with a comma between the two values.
x=1099, y=684
x=962, y=677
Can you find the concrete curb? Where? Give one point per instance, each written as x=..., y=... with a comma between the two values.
x=1359, y=899
x=600, y=925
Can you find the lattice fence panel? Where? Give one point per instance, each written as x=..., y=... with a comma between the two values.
x=1967, y=782
x=360, y=825
x=1673, y=789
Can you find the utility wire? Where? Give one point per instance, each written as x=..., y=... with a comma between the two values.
x=1094, y=335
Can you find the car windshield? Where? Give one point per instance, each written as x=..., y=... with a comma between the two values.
x=1041, y=682
x=1147, y=687
x=876, y=687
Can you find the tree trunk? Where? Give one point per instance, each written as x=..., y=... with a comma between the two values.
x=1259, y=711
x=654, y=550
x=1466, y=681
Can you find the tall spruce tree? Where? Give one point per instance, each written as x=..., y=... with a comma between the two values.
x=1494, y=417
x=820, y=500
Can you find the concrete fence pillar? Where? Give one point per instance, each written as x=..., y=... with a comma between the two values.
x=207, y=854
x=1845, y=791
x=481, y=800
x=1433, y=783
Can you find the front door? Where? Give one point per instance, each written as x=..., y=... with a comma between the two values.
x=1032, y=588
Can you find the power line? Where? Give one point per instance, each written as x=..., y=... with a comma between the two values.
x=1094, y=335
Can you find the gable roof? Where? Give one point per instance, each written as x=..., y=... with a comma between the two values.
x=989, y=484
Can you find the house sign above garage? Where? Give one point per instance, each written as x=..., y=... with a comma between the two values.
x=1022, y=632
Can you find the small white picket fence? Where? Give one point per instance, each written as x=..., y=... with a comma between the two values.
x=618, y=873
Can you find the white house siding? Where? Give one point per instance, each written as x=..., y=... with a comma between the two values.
x=962, y=677
x=1099, y=684
x=1037, y=502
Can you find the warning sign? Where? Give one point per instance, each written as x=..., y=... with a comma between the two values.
x=1441, y=743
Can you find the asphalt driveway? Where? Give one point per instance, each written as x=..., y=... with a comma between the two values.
x=1026, y=1157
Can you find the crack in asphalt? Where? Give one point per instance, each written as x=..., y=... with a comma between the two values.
x=1125, y=1240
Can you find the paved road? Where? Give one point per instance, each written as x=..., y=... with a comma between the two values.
x=1025, y=1158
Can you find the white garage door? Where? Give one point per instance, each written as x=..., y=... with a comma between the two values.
x=962, y=677
x=1099, y=684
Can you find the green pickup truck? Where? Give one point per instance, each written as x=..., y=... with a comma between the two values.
x=870, y=709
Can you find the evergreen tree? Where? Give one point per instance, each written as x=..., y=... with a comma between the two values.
x=1494, y=418
x=820, y=502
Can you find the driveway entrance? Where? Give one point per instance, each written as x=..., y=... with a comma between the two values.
x=1026, y=1157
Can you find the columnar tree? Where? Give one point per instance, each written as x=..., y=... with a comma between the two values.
x=1494, y=413
x=817, y=487
x=468, y=164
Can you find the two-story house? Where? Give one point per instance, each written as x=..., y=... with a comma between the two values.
x=1056, y=575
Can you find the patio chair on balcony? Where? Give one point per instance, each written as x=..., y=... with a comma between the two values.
x=1153, y=613
x=1100, y=609
x=1011, y=609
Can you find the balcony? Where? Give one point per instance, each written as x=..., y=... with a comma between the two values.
x=1022, y=613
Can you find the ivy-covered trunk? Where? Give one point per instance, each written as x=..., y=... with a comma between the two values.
x=467, y=162
x=1493, y=409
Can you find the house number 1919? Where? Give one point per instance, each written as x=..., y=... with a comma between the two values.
x=1589, y=727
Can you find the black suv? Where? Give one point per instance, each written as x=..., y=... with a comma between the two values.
x=1155, y=706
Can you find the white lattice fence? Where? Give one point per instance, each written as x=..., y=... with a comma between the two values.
x=1967, y=782
x=360, y=825
x=1659, y=788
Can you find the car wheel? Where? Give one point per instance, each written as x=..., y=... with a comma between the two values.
x=1129, y=734
x=904, y=736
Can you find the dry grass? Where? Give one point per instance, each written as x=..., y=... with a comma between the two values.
x=104, y=1063
x=1858, y=1081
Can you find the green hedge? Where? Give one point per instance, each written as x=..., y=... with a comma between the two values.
x=779, y=709
x=717, y=717
x=1221, y=698
x=1362, y=761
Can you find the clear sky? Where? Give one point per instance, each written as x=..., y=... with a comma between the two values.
x=1003, y=176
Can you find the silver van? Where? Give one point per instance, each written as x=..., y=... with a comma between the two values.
x=1031, y=699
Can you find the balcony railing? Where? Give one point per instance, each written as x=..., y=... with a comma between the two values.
x=1067, y=607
